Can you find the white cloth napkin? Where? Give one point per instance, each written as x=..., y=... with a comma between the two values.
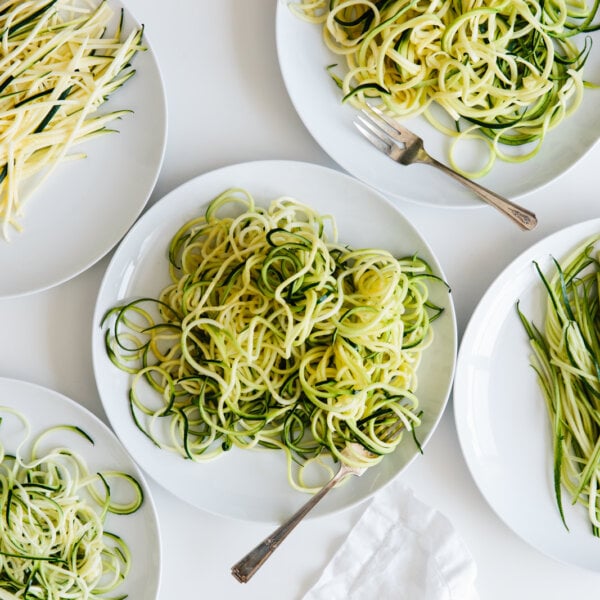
x=400, y=549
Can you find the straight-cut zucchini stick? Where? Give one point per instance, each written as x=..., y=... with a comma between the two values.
x=60, y=62
x=566, y=358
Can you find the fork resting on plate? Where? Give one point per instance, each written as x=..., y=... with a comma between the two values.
x=407, y=148
x=244, y=569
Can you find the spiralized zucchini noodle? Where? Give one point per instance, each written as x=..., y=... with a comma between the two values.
x=566, y=358
x=504, y=72
x=59, y=63
x=53, y=542
x=272, y=334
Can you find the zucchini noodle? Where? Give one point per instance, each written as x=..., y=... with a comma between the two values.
x=272, y=334
x=53, y=544
x=58, y=66
x=566, y=358
x=510, y=70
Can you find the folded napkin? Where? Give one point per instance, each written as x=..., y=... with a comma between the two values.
x=400, y=549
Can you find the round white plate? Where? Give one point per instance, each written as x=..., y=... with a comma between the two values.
x=85, y=207
x=500, y=412
x=244, y=484
x=44, y=408
x=303, y=59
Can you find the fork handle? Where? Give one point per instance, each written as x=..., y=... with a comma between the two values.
x=521, y=216
x=247, y=566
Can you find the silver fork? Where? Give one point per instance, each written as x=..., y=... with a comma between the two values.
x=407, y=148
x=244, y=569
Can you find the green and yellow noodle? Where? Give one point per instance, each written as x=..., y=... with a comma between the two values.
x=504, y=71
x=566, y=357
x=272, y=334
x=53, y=542
x=60, y=61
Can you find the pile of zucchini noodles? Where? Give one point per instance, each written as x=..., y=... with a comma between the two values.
x=53, y=544
x=566, y=358
x=501, y=71
x=272, y=334
x=58, y=66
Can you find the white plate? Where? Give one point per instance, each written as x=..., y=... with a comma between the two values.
x=500, y=413
x=85, y=207
x=44, y=408
x=303, y=58
x=243, y=484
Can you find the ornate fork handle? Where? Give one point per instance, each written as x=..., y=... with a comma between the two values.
x=247, y=566
x=407, y=148
x=521, y=216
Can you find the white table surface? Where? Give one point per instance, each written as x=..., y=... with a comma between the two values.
x=227, y=104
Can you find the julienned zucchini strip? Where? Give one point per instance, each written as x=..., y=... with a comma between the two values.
x=566, y=359
x=503, y=71
x=61, y=61
x=53, y=541
x=273, y=334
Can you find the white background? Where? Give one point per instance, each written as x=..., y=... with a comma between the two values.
x=227, y=104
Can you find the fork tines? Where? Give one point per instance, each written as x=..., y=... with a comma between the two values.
x=381, y=130
x=392, y=431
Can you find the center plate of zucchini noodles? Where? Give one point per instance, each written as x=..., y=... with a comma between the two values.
x=253, y=484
